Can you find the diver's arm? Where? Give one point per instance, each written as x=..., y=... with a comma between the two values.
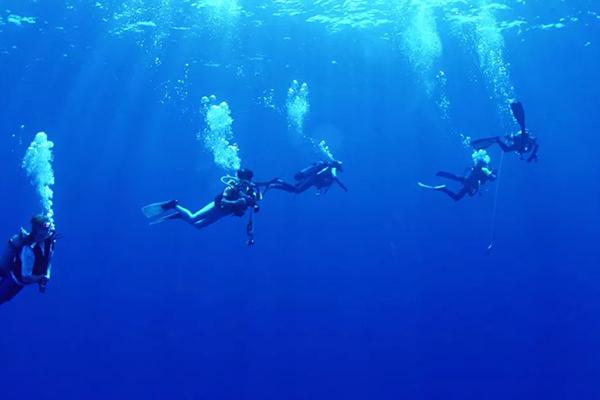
x=234, y=203
x=533, y=156
x=505, y=147
x=43, y=282
x=336, y=179
x=279, y=184
x=340, y=184
x=231, y=198
x=48, y=271
x=485, y=174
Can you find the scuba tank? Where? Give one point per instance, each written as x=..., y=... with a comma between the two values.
x=310, y=170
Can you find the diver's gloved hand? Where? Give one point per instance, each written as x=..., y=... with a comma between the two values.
x=250, y=201
x=42, y=285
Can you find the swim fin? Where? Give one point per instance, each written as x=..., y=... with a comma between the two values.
x=438, y=187
x=519, y=114
x=484, y=143
x=156, y=209
x=167, y=215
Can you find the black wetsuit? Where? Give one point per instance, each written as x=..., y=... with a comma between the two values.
x=476, y=177
x=11, y=268
x=521, y=143
x=321, y=175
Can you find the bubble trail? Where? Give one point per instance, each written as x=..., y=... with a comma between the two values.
x=218, y=134
x=37, y=163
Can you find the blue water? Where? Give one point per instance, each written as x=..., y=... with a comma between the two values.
x=384, y=292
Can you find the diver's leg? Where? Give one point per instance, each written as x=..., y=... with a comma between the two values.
x=454, y=196
x=210, y=217
x=484, y=143
x=304, y=185
x=280, y=184
x=519, y=113
x=204, y=217
x=505, y=147
x=8, y=288
x=192, y=218
x=451, y=176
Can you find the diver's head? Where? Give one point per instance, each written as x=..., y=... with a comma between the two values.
x=245, y=174
x=481, y=157
x=42, y=227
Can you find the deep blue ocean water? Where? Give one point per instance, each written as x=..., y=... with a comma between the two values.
x=384, y=292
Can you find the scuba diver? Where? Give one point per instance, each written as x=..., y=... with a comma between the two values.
x=239, y=194
x=27, y=259
x=521, y=143
x=322, y=175
x=472, y=181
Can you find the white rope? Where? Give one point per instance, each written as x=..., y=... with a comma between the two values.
x=493, y=221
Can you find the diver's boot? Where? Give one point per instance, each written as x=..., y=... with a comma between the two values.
x=169, y=205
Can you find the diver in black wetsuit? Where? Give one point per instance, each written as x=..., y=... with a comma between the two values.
x=27, y=258
x=322, y=175
x=472, y=181
x=521, y=143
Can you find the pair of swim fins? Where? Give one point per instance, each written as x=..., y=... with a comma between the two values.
x=160, y=212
